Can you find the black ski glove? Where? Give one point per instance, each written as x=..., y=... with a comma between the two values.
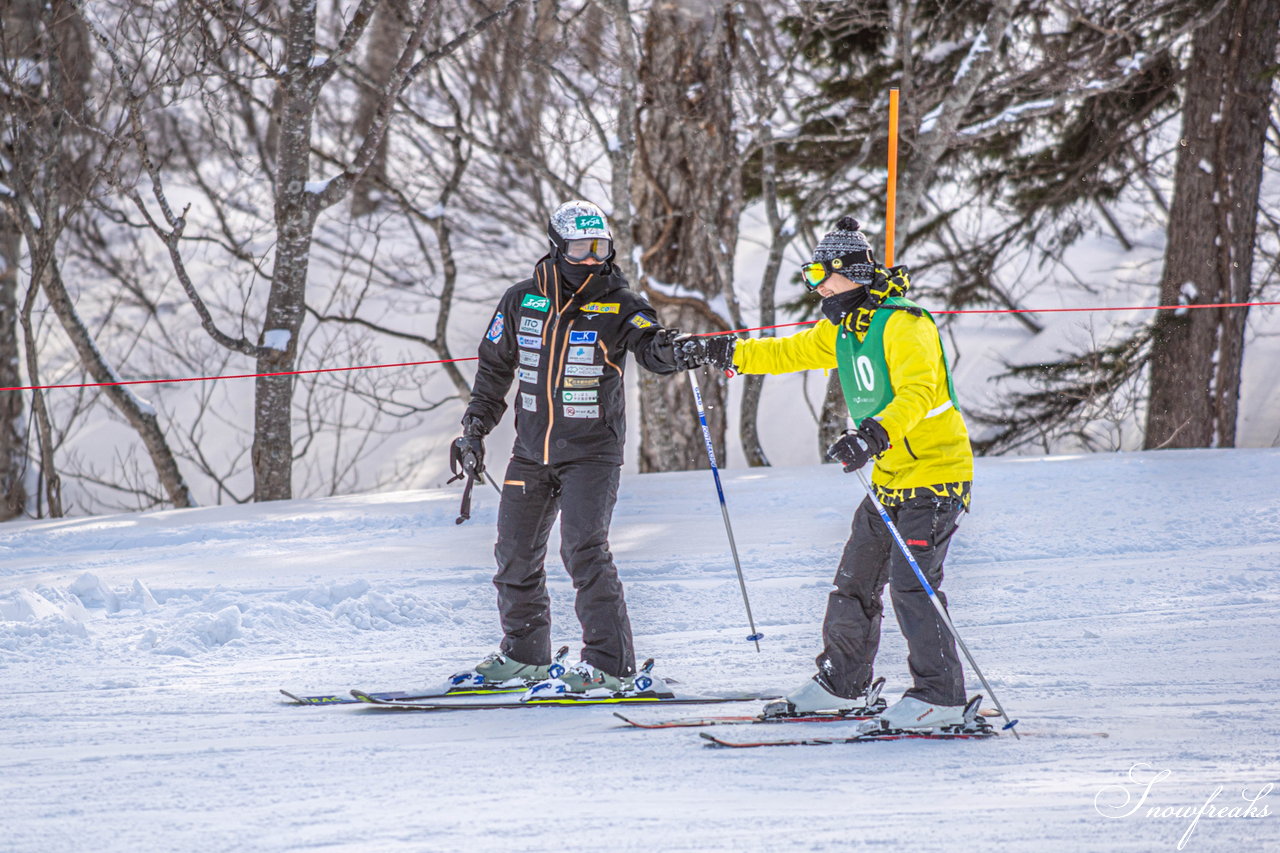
x=715, y=350
x=857, y=446
x=466, y=454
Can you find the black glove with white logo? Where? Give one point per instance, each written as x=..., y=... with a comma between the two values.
x=715, y=350
x=466, y=454
x=856, y=447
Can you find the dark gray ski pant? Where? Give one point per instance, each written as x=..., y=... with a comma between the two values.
x=851, y=629
x=583, y=494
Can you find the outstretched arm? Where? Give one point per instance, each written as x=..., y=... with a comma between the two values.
x=812, y=349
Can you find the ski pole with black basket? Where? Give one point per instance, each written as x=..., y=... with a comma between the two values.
x=755, y=635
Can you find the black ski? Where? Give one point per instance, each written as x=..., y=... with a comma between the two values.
x=461, y=684
x=953, y=733
x=561, y=700
x=974, y=727
x=749, y=719
x=873, y=706
x=400, y=695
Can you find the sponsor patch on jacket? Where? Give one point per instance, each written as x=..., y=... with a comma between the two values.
x=536, y=302
x=601, y=307
x=528, y=402
x=582, y=337
x=495, y=328
x=530, y=376
x=580, y=382
x=532, y=325
x=530, y=358
x=582, y=411
x=582, y=355
x=529, y=341
x=641, y=322
x=584, y=370
x=579, y=396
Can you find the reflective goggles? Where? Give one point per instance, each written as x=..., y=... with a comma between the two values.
x=816, y=273
x=596, y=247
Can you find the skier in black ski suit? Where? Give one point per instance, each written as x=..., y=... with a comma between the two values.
x=564, y=336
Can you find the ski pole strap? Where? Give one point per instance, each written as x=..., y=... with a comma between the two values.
x=464, y=512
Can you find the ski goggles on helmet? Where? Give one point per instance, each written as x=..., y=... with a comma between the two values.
x=599, y=248
x=816, y=273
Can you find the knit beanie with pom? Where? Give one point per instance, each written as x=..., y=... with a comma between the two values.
x=846, y=239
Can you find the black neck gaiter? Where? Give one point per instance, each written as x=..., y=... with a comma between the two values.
x=572, y=276
x=836, y=308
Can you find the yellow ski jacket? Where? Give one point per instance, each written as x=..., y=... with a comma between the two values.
x=929, y=444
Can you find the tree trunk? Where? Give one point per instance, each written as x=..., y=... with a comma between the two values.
x=50, y=483
x=295, y=215
x=1196, y=354
x=932, y=142
x=386, y=40
x=685, y=195
x=138, y=413
x=18, y=41
x=13, y=454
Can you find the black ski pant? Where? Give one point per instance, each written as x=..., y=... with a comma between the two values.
x=851, y=629
x=583, y=495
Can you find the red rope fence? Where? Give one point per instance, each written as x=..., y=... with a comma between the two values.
x=733, y=331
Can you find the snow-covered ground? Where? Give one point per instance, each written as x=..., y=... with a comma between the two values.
x=1134, y=594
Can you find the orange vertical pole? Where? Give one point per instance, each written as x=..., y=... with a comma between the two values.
x=891, y=204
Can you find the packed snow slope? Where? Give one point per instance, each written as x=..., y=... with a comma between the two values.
x=1133, y=594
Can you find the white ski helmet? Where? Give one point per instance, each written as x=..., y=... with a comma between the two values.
x=579, y=230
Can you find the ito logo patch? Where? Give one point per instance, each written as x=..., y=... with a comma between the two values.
x=536, y=302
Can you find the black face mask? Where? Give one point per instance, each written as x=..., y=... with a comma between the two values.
x=836, y=308
x=573, y=275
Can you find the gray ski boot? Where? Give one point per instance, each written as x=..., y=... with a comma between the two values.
x=501, y=670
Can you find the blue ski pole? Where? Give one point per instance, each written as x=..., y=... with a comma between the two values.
x=933, y=597
x=724, y=509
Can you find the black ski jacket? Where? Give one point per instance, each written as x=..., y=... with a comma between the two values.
x=568, y=351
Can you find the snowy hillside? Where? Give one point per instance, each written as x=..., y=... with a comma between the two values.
x=1135, y=594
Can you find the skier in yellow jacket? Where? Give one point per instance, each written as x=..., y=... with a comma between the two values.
x=899, y=393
